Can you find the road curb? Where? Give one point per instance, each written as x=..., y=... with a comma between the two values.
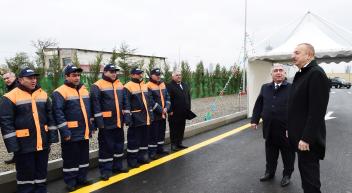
x=8, y=178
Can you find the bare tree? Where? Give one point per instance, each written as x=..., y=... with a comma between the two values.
x=18, y=62
x=40, y=45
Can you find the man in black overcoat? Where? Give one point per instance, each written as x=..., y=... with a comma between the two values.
x=180, y=99
x=271, y=106
x=307, y=106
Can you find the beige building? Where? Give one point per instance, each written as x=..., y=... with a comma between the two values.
x=87, y=57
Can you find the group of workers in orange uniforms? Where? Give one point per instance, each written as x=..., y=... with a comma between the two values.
x=32, y=122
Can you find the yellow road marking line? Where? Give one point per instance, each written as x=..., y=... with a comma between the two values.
x=122, y=176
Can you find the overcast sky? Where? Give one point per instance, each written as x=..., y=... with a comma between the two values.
x=190, y=30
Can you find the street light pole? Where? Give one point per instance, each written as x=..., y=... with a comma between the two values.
x=245, y=48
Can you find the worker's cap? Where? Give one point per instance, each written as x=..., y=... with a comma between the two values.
x=27, y=72
x=155, y=71
x=71, y=69
x=136, y=70
x=111, y=67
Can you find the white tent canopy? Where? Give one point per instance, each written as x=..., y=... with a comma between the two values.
x=330, y=46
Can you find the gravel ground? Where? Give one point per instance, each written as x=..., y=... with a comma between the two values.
x=217, y=106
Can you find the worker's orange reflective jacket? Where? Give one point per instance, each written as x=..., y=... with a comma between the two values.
x=138, y=104
x=160, y=96
x=72, y=112
x=26, y=120
x=107, y=103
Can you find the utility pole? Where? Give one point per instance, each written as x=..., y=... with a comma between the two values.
x=245, y=48
x=179, y=57
x=244, y=75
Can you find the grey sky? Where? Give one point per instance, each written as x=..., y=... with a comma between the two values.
x=206, y=30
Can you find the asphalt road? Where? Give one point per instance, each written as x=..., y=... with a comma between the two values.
x=235, y=163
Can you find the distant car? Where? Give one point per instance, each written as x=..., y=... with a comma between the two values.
x=338, y=82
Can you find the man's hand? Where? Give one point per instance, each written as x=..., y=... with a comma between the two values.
x=164, y=113
x=171, y=113
x=67, y=138
x=254, y=126
x=303, y=146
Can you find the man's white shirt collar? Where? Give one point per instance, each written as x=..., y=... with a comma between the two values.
x=179, y=83
x=303, y=67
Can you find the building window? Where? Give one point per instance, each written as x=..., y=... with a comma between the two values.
x=66, y=61
x=51, y=63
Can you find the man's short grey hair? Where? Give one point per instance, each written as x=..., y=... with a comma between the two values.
x=310, y=47
x=176, y=72
x=277, y=65
x=9, y=73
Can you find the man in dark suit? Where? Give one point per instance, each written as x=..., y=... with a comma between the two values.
x=309, y=97
x=180, y=98
x=271, y=106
